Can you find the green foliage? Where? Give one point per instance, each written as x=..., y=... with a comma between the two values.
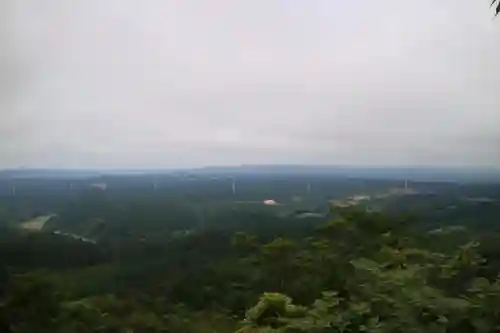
x=244, y=241
x=30, y=304
x=389, y=289
x=155, y=269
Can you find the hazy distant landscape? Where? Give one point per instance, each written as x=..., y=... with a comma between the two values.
x=204, y=244
x=263, y=166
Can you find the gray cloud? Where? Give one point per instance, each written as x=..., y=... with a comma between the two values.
x=184, y=83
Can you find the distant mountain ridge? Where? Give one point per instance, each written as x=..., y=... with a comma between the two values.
x=48, y=173
x=455, y=174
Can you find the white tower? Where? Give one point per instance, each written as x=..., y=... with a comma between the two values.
x=234, y=186
x=308, y=188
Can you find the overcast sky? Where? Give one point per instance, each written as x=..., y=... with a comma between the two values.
x=159, y=83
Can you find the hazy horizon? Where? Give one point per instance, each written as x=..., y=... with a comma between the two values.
x=89, y=84
x=264, y=166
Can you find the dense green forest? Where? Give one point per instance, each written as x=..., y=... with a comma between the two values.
x=197, y=256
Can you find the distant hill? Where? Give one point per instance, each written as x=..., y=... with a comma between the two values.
x=48, y=173
x=400, y=173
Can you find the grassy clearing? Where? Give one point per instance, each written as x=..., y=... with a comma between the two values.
x=37, y=223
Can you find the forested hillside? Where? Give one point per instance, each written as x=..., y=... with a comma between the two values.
x=181, y=259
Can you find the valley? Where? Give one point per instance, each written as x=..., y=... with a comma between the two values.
x=168, y=252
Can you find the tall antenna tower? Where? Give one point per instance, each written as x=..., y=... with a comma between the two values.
x=406, y=184
x=308, y=188
x=233, y=186
x=13, y=189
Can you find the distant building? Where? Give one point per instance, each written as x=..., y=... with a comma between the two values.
x=360, y=197
x=99, y=186
x=350, y=201
x=340, y=204
x=270, y=202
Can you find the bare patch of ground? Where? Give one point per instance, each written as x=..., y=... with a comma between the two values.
x=37, y=223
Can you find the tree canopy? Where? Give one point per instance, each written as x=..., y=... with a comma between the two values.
x=497, y=4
